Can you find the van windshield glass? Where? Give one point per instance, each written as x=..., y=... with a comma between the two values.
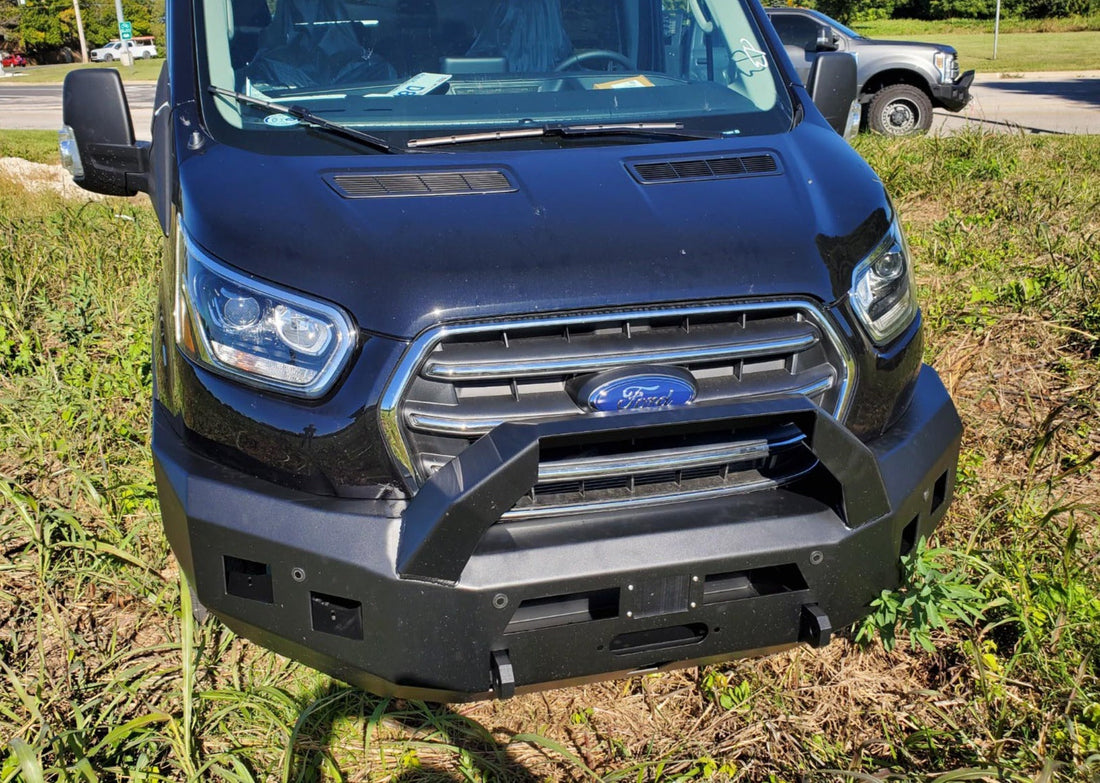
x=406, y=69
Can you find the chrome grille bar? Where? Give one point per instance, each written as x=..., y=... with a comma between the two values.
x=465, y=370
x=744, y=485
x=471, y=426
x=662, y=460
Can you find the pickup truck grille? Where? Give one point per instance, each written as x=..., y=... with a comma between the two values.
x=457, y=383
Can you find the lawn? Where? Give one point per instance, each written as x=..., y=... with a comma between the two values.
x=105, y=676
x=1023, y=46
x=1021, y=52
x=140, y=71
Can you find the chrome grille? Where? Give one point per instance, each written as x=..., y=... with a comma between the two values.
x=457, y=383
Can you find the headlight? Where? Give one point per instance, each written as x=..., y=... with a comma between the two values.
x=256, y=332
x=882, y=294
x=947, y=65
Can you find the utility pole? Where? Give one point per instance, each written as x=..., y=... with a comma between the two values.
x=996, y=29
x=127, y=55
x=80, y=32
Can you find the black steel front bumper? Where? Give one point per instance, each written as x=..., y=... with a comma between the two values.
x=953, y=96
x=433, y=599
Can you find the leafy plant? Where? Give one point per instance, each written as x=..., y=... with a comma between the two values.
x=930, y=597
x=718, y=687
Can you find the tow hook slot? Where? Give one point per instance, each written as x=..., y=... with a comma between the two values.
x=503, y=677
x=654, y=639
x=816, y=629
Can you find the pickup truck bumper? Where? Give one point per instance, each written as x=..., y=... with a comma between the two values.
x=434, y=599
x=953, y=96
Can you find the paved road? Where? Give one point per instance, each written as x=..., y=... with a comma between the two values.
x=1066, y=102
x=38, y=106
x=1053, y=102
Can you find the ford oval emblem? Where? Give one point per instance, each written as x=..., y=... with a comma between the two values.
x=634, y=389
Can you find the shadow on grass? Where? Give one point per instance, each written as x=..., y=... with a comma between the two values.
x=406, y=741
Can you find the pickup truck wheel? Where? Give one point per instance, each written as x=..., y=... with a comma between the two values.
x=900, y=110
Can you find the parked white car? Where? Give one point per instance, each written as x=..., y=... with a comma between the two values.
x=113, y=51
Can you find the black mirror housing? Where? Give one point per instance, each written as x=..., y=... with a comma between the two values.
x=94, y=106
x=832, y=86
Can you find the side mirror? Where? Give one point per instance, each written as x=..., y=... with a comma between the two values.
x=97, y=142
x=826, y=41
x=832, y=86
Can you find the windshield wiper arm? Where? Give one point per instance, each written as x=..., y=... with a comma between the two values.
x=667, y=129
x=304, y=114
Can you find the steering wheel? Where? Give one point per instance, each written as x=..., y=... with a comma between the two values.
x=593, y=54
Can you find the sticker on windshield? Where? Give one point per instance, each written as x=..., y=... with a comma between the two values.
x=280, y=120
x=624, y=84
x=421, y=84
x=752, y=55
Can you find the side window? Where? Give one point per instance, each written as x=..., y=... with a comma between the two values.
x=796, y=30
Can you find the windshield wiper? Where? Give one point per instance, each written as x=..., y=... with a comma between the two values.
x=305, y=115
x=650, y=129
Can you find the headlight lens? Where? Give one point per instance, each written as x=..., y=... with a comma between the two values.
x=947, y=65
x=883, y=295
x=256, y=332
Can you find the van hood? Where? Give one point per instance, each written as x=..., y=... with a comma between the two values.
x=575, y=231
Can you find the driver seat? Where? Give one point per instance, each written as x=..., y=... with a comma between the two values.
x=529, y=34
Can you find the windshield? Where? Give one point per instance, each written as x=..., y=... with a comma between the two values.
x=404, y=70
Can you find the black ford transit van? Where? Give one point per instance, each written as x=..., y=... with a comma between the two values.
x=512, y=343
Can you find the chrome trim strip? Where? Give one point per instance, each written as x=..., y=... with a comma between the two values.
x=544, y=512
x=388, y=409
x=485, y=371
x=659, y=461
x=443, y=424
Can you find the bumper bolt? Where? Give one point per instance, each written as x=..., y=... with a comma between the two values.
x=816, y=558
x=298, y=574
x=500, y=600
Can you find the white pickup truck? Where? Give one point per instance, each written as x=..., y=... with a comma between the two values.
x=139, y=49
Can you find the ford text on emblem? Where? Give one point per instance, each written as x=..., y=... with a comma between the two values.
x=637, y=389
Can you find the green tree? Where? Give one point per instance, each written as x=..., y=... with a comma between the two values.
x=10, y=40
x=43, y=28
x=48, y=25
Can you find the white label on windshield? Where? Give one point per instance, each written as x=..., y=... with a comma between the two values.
x=280, y=120
x=421, y=84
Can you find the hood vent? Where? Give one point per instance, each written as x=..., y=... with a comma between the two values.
x=683, y=169
x=422, y=183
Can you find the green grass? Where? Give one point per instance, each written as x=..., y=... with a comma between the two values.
x=32, y=145
x=1020, y=47
x=892, y=28
x=141, y=71
x=104, y=675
